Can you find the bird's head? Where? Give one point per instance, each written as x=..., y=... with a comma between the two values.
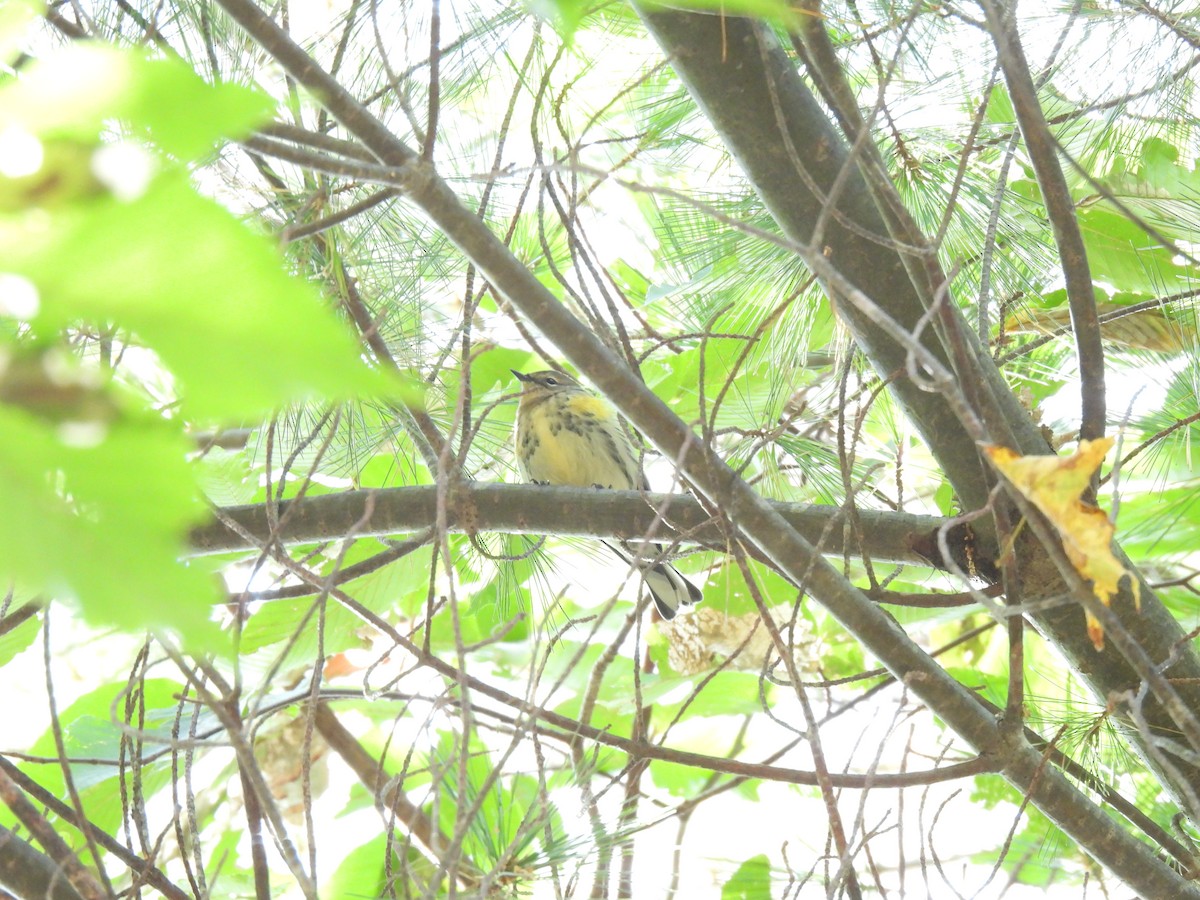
x=540, y=385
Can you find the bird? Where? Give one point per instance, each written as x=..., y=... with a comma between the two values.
x=568, y=435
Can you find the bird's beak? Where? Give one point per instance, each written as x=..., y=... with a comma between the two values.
x=521, y=376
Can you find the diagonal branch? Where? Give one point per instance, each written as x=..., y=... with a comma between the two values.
x=1060, y=207
x=68, y=867
x=145, y=869
x=30, y=872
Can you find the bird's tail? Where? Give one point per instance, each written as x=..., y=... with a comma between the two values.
x=669, y=589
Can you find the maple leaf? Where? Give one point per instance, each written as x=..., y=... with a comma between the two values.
x=1054, y=485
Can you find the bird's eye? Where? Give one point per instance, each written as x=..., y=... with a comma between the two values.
x=551, y=382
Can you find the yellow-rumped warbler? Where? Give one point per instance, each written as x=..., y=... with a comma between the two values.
x=568, y=435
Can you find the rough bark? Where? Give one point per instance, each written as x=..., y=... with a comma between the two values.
x=540, y=509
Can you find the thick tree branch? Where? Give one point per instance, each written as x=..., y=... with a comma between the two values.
x=68, y=867
x=748, y=88
x=541, y=509
x=31, y=873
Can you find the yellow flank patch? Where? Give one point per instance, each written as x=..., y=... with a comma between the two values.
x=557, y=458
x=582, y=404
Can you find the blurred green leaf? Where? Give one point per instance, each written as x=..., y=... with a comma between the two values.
x=1160, y=524
x=400, y=585
x=77, y=512
x=361, y=871
x=298, y=621
x=209, y=297
x=565, y=15
x=678, y=780
x=224, y=477
x=492, y=371
x=1034, y=854
x=77, y=90
x=751, y=881
x=15, y=18
x=725, y=693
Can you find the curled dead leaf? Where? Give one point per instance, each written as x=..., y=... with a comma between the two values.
x=1054, y=484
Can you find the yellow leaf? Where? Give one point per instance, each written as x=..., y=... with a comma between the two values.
x=1054, y=485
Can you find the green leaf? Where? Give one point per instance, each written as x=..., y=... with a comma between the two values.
x=15, y=18
x=507, y=594
x=1163, y=523
x=402, y=584
x=752, y=881
x=1160, y=163
x=993, y=687
x=724, y=694
x=90, y=732
x=76, y=516
x=990, y=790
x=276, y=621
x=572, y=667
x=76, y=91
x=1034, y=855
x=361, y=872
x=678, y=780
x=632, y=282
x=946, y=499
x=564, y=15
x=1123, y=255
x=224, y=477
x=493, y=370
x=209, y=298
